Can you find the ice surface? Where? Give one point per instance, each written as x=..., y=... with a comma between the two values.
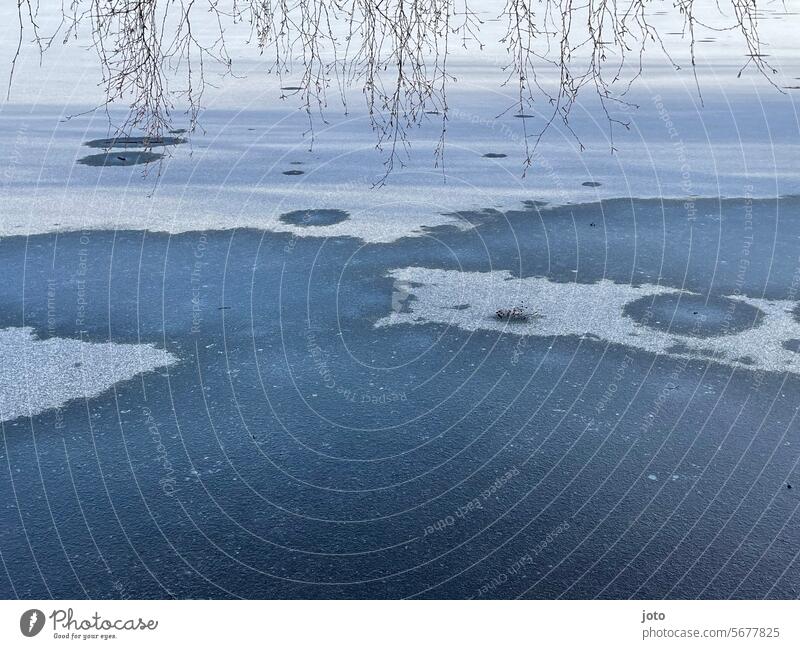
x=740, y=140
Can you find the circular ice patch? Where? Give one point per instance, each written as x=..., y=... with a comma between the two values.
x=693, y=315
x=314, y=217
x=120, y=158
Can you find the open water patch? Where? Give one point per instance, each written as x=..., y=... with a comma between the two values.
x=120, y=159
x=134, y=142
x=694, y=315
x=319, y=217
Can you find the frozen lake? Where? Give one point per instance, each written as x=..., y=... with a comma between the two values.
x=296, y=449
x=232, y=366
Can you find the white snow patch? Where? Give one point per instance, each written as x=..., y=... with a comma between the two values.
x=572, y=309
x=37, y=375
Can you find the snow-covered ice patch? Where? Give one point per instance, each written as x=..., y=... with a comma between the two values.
x=738, y=331
x=28, y=214
x=37, y=375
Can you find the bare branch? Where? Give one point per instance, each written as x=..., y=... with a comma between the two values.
x=394, y=51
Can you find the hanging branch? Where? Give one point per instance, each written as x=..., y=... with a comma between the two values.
x=394, y=51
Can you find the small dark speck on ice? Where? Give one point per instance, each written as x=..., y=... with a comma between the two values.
x=494, y=155
x=591, y=183
x=293, y=172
